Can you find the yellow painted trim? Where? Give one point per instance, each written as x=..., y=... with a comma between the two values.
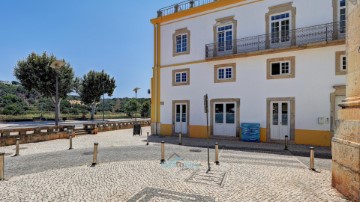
x=166, y=129
x=200, y=9
x=184, y=63
x=155, y=82
x=262, y=134
x=153, y=86
x=158, y=73
x=197, y=131
x=152, y=100
x=313, y=137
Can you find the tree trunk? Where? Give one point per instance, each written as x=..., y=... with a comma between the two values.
x=57, y=108
x=93, y=108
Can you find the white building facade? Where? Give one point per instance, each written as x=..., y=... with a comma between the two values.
x=279, y=63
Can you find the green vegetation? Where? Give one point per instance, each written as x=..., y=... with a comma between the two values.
x=132, y=107
x=33, y=96
x=92, y=86
x=36, y=73
x=16, y=103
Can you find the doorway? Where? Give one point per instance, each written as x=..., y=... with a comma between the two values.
x=224, y=119
x=181, y=117
x=280, y=119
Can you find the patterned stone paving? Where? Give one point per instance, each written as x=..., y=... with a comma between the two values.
x=209, y=178
x=139, y=176
x=154, y=194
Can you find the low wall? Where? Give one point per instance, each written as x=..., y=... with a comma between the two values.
x=33, y=134
x=94, y=128
x=45, y=133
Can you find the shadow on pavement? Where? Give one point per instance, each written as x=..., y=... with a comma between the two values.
x=270, y=148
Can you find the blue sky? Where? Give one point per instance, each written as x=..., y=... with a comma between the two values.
x=114, y=35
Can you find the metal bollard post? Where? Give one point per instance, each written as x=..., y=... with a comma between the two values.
x=70, y=139
x=147, y=138
x=312, y=160
x=95, y=154
x=217, y=154
x=17, y=147
x=2, y=166
x=70, y=131
x=286, y=142
x=180, y=139
x=162, y=152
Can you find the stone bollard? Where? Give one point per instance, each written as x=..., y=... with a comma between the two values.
x=95, y=154
x=217, y=154
x=147, y=138
x=312, y=158
x=180, y=139
x=2, y=166
x=70, y=142
x=17, y=150
x=70, y=131
x=286, y=142
x=162, y=152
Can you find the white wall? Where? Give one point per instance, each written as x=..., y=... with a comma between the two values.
x=250, y=22
x=311, y=87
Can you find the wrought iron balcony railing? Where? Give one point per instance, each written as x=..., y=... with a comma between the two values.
x=285, y=39
x=182, y=6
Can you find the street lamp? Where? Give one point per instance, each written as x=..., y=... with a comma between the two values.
x=136, y=90
x=56, y=65
x=103, y=100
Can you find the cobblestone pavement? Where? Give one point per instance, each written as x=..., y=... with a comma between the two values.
x=131, y=171
x=115, y=138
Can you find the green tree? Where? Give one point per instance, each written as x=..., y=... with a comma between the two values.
x=12, y=105
x=35, y=73
x=92, y=86
x=131, y=107
x=145, y=109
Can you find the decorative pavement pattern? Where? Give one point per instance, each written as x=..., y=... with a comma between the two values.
x=130, y=171
x=153, y=194
x=212, y=177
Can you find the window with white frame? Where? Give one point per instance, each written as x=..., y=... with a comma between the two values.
x=280, y=68
x=342, y=15
x=225, y=73
x=225, y=37
x=181, y=43
x=280, y=27
x=343, y=63
x=181, y=77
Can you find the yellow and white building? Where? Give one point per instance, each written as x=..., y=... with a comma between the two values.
x=280, y=63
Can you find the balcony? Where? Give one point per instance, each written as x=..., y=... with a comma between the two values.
x=182, y=6
x=287, y=39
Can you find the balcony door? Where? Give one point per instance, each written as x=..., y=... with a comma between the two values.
x=342, y=16
x=225, y=39
x=280, y=27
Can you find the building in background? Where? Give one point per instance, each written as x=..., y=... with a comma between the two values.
x=280, y=63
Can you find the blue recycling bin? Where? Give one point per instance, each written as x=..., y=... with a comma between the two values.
x=250, y=132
